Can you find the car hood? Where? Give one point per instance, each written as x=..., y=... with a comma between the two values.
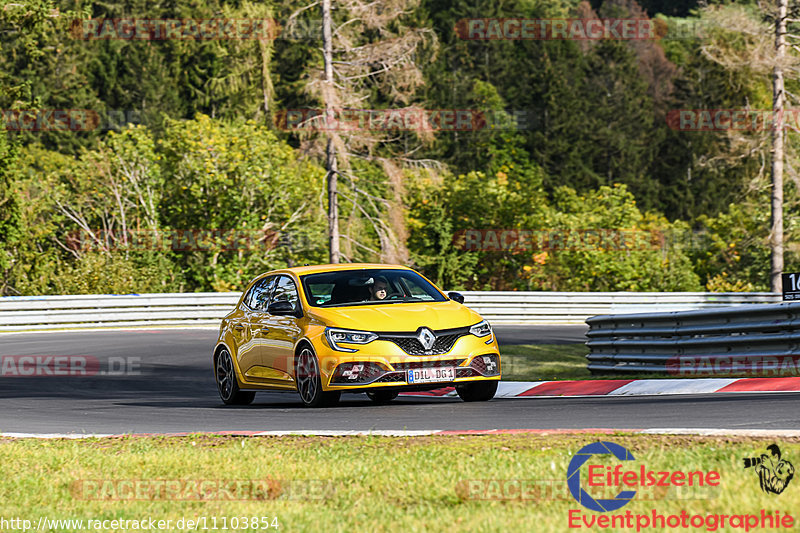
x=398, y=317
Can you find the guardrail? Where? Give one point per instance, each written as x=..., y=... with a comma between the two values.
x=756, y=339
x=512, y=307
x=22, y=313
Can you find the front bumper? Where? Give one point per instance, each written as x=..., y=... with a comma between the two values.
x=387, y=360
x=355, y=375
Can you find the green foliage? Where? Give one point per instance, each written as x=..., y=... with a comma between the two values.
x=86, y=217
x=593, y=151
x=42, y=67
x=46, y=64
x=240, y=177
x=10, y=216
x=636, y=259
x=432, y=233
x=732, y=249
x=116, y=273
x=561, y=258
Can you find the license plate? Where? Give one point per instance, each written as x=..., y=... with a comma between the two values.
x=431, y=375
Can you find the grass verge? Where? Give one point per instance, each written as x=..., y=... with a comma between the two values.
x=543, y=362
x=365, y=483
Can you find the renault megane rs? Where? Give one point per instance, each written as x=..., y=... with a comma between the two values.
x=379, y=329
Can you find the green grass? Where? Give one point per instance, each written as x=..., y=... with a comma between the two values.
x=542, y=362
x=368, y=483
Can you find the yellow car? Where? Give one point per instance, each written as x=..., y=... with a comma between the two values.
x=327, y=329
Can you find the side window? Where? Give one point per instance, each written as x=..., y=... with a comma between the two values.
x=286, y=290
x=258, y=297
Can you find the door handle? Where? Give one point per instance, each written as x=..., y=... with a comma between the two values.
x=238, y=327
x=262, y=330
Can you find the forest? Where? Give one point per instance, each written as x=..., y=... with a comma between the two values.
x=182, y=146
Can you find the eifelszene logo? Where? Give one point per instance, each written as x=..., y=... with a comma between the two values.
x=574, y=476
x=607, y=477
x=774, y=472
x=605, y=480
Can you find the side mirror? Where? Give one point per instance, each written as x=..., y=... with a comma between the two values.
x=282, y=308
x=456, y=297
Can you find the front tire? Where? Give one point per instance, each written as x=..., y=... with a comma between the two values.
x=477, y=391
x=227, y=384
x=309, y=381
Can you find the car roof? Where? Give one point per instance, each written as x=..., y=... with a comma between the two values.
x=316, y=269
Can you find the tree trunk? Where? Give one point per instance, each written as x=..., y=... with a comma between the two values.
x=333, y=201
x=265, y=50
x=330, y=159
x=778, y=99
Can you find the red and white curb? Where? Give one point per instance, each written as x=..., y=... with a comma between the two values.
x=629, y=387
x=772, y=433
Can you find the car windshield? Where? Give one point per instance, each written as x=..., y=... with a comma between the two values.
x=368, y=287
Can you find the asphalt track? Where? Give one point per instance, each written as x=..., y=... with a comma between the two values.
x=171, y=389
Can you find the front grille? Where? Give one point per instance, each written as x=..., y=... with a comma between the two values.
x=445, y=339
x=427, y=364
x=391, y=377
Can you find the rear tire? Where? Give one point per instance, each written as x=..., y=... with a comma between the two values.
x=382, y=397
x=309, y=381
x=477, y=391
x=227, y=384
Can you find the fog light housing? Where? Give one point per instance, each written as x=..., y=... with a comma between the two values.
x=356, y=373
x=487, y=365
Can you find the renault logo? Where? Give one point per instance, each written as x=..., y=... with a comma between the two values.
x=426, y=338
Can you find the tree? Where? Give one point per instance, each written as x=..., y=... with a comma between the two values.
x=591, y=108
x=778, y=99
x=752, y=49
x=238, y=177
x=48, y=62
x=370, y=60
x=701, y=173
x=331, y=163
x=10, y=216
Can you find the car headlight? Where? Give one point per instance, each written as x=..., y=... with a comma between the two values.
x=481, y=329
x=348, y=336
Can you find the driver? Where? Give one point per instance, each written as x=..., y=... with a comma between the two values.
x=379, y=289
